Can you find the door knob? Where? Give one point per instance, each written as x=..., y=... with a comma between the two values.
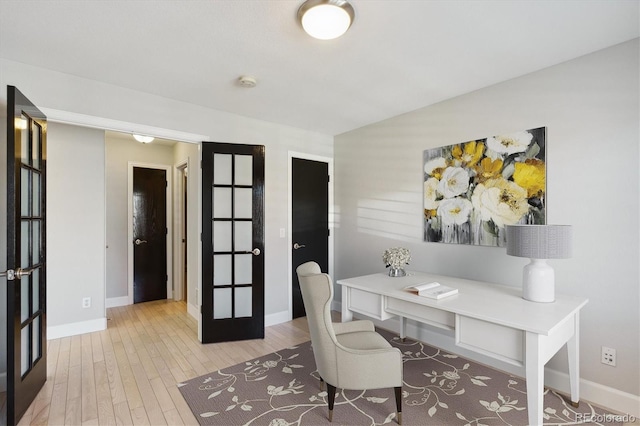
x=138, y=241
x=297, y=246
x=255, y=251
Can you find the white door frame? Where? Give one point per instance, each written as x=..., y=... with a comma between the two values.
x=169, y=222
x=312, y=157
x=178, y=248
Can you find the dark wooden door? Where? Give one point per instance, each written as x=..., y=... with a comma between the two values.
x=26, y=253
x=149, y=234
x=232, y=242
x=309, y=220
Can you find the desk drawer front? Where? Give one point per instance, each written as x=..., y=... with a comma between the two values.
x=426, y=314
x=366, y=303
x=496, y=341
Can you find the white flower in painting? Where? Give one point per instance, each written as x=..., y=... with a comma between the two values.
x=430, y=194
x=451, y=375
x=436, y=163
x=278, y=422
x=455, y=181
x=454, y=211
x=500, y=200
x=510, y=144
x=270, y=364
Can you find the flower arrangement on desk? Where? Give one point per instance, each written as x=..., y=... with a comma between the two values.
x=396, y=258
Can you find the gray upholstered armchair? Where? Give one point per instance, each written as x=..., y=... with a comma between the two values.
x=348, y=355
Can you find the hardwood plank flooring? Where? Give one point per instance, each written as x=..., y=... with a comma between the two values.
x=127, y=374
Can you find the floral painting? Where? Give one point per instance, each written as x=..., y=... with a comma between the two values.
x=473, y=189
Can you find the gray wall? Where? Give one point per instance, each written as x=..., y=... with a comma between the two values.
x=75, y=224
x=590, y=108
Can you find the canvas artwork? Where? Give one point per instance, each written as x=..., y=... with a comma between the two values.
x=473, y=189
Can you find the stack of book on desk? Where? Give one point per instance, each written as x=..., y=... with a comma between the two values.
x=432, y=290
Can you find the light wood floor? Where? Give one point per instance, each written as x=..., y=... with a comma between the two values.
x=127, y=374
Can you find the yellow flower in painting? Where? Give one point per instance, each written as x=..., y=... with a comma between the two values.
x=502, y=201
x=470, y=155
x=531, y=176
x=488, y=169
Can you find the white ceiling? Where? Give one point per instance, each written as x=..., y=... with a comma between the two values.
x=398, y=55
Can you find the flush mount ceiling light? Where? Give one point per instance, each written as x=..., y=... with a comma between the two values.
x=143, y=139
x=326, y=19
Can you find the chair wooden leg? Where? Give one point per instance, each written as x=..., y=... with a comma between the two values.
x=321, y=384
x=398, y=392
x=331, y=397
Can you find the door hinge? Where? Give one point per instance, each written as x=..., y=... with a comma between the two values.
x=166, y=231
x=166, y=277
x=328, y=232
x=328, y=178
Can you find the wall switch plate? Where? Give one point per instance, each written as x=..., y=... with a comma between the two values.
x=86, y=302
x=608, y=356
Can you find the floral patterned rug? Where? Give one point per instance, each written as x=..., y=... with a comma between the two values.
x=440, y=388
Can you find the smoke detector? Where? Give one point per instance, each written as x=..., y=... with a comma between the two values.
x=247, y=81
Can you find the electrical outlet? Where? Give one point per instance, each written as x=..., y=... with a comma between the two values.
x=608, y=356
x=86, y=302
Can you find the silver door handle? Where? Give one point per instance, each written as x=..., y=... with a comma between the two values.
x=256, y=251
x=297, y=246
x=17, y=274
x=138, y=241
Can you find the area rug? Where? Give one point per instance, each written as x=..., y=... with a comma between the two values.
x=440, y=388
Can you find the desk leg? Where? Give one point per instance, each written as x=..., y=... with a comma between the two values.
x=347, y=315
x=534, y=368
x=573, y=350
x=403, y=328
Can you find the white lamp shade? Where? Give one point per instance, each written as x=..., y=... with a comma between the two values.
x=539, y=241
x=325, y=19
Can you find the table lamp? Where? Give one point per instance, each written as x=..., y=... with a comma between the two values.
x=539, y=243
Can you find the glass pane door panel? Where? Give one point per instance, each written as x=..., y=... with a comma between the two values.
x=222, y=269
x=24, y=350
x=243, y=302
x=221, y=303
x=24, y=299
x=244, y=170
x=36, y=340
x=24, y=244
x=242, y=203
x=35, y=207
x=35, y=129
x=222, y=169
x=243, y=236
x=221, y=236
x=242, y=269
x=35, y=242
x=221, y=203
x=25, y=195
x=35, y=290
x=24, y=136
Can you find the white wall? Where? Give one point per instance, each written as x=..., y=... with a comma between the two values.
x=53, y=90
x=75, y=228
x=119, y=152
x=590, y=108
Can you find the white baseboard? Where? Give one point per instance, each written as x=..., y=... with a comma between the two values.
x=601, y=395
x=277, y=318
x=113, y=302
x=3, y=381
x=75, y=328
x=193, y=311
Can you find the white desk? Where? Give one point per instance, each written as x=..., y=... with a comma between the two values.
x=488, y=319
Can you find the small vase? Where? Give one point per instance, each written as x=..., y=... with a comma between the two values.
x=397, y=272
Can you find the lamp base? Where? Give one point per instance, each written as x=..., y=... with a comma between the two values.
x=538, y=282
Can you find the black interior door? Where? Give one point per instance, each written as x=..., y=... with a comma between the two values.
x=149, y=234
x=309, y=220
x=26, y=253
x=232, y=242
